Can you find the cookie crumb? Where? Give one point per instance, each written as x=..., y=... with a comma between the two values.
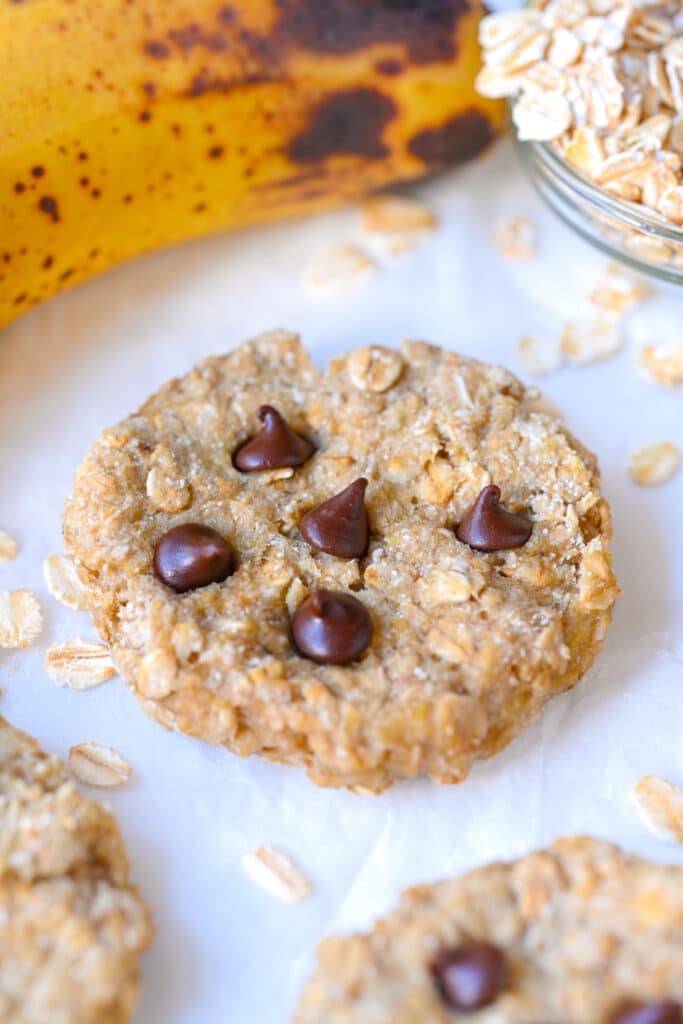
x=538, y=357
x=21, y=619
x=590, y=341
x=63, y=583
x=79, y=664
x=96, y=764
x=516, y=238
x=8, y=547
x=340, y=268
x=660, y=805
x=655, y=463
x=661, y=364
x=275, y=872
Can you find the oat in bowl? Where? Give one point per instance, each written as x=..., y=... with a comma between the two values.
x=596, y=89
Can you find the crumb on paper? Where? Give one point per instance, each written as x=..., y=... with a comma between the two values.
x=275, y=872
x=661, y=364
x=654, y=464
x=516, y=238
x=340, y=268
x=21, y=618
x=618, y=291
x=8, y=547
x=660, y=804
x=538, y=357
x=590, y=341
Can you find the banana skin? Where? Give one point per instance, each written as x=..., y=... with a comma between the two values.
x=126, y=125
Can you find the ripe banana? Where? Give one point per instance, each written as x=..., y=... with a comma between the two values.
x=131, y=124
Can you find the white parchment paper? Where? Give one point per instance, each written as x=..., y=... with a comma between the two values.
x=226, y=951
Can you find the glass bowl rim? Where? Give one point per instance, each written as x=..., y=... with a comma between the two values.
x=634, y=215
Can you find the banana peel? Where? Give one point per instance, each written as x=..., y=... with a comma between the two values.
x=126, y=125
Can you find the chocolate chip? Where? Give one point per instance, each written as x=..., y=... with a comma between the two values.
x=471, y=976
x=275, y=446
x=340, y=525
x=665, y=1012
x=192, y=555
x=332, y=628
x=490, y=526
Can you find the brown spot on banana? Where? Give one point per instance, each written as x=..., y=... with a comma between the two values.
x=350, y=123
x=49, y=205
x=459, y=139
x=426, y=28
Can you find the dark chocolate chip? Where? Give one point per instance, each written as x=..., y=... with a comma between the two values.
x=340, y=525
x=275, y=446
x=665, y=1012
x=469, y=977
x=331, y=628
x=192, y=555
x=490, y=526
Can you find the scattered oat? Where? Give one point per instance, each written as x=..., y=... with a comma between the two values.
x=654, y=464
x=8, y=547
x=96, y=764
x=660, y=804
x=538, y=357
x=340, y=268
x=516, y=238
x=400, y=221
x=79, y=664
x=374, y=368
x=589, y=341
x=619, y=291
x=662, y=364
x=277, y=874
x=63, y=583
x=21, y=619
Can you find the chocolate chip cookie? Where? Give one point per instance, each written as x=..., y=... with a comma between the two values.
x=72, y=928
x=581, y=933
x=376, y=572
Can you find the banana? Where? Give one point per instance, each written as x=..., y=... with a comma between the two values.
x=126, y=125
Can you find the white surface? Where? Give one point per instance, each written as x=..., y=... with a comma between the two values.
x=226, y=951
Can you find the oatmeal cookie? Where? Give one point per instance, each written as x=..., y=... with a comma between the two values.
x=581, y=933
x=72, y=929
x=376, y=572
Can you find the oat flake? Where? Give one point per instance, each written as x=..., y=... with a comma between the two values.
x=63, y=583
x=79, y=664
x=654, y=464
x=660, y=804
x=21, y=619
x=340, y=268
x=96, y=764
x=275, y=872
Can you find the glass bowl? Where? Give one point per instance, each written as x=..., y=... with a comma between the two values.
x=626, y=231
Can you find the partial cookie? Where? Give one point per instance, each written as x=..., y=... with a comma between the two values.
x=582, y=933
x=442, y=652
x=72, y=928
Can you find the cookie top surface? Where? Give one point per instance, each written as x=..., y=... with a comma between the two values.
x=466, y=645
x=64, y=890
x=584, y=932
